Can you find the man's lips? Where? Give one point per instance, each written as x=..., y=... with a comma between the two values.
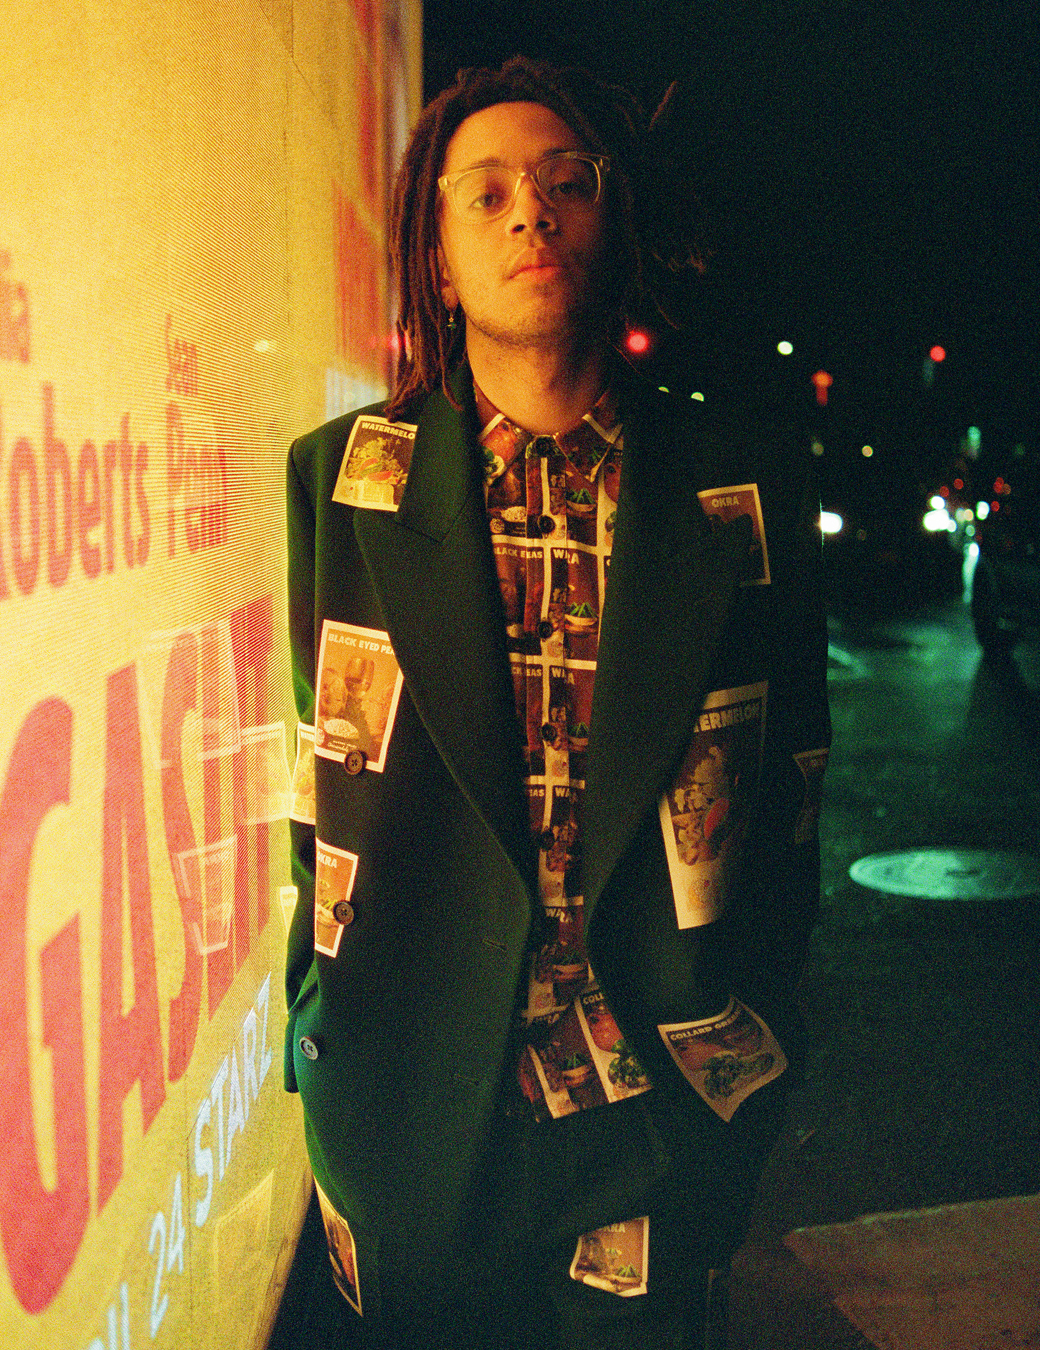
x=535, y=262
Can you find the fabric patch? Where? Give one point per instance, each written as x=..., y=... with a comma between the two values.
x=705, y=816
x=375, y=464
x=342, y=1251
x=812, y=764
x=578, y=1059
x=333, y=884
x=301, y=806
x=615, y=1258
x=725, y=1058
x=721, y=505
x=359, y=685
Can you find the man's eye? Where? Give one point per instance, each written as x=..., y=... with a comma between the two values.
x=571, y=180
x=483, y=193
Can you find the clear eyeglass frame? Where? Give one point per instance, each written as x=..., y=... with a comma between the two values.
x=449, y=185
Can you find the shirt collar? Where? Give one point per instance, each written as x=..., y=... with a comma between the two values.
x=586, y=445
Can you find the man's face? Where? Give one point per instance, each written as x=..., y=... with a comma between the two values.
x=533, y=276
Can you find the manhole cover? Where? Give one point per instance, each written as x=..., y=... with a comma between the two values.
x=950, y=874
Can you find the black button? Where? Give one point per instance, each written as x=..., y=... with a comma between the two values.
x=548, y=731
x=309, y=1047
x=545, y=629
x=354, y=761
x=343, y=912
x=546, y=524
x=544, y=445
x=546, y=839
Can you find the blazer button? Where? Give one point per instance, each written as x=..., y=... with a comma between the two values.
x=546, y=840
x=343, y=912
x=354, y=761
x=545, y=629
x=548, y=731
x=546, y=524
x=309, y=1047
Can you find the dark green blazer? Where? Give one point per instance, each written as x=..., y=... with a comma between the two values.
x=411, y=1020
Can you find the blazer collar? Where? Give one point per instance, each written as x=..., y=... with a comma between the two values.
x=432, y=568
x=673, y=582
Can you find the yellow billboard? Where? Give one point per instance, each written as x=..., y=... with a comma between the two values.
x=192, y=271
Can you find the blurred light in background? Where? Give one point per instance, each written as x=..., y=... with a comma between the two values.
x=938, y=520
x=867, y=451
x=830, y=522
x=784, y=348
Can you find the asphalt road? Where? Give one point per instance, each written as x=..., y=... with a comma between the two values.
x=924, y=1080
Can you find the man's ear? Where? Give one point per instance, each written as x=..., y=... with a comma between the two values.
x=442, y=279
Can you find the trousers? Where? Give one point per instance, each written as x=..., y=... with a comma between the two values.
x=691, y=1176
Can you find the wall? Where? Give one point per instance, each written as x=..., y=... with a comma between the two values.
x=192, y=271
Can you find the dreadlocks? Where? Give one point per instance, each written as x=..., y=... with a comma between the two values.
x=607, y=119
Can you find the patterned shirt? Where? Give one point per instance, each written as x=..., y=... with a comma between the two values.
x=551, y=503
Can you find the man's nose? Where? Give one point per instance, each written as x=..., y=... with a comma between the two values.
x=530, y=209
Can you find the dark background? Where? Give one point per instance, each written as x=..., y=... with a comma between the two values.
x=868, y=178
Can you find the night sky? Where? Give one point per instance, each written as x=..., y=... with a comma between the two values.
x=869, y=176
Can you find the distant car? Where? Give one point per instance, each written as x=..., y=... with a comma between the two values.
x=879, y=554
x=1005, y=597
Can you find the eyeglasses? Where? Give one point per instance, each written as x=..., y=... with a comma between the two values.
x=568, y=179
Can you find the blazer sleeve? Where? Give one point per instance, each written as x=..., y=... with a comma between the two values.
x=301, y=539
x=781, y=903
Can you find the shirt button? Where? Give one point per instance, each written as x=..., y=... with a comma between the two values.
x=309, y=1047
x=545, y=629
x=546, y=524
x=354, y=761
x=343, y=912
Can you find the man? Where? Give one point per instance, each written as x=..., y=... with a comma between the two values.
x=542, y=1014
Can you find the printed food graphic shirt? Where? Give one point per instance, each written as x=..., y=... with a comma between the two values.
x=551, y=503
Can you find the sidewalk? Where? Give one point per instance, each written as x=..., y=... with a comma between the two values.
x=954, y=1277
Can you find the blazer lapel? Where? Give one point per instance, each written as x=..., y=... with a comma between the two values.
x=432, y=568
x=673, y=580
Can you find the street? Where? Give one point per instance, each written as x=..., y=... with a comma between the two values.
x=923, y=1081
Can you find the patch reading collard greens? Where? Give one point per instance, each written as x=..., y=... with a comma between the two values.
x=725, y=1058
x=375, y=464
